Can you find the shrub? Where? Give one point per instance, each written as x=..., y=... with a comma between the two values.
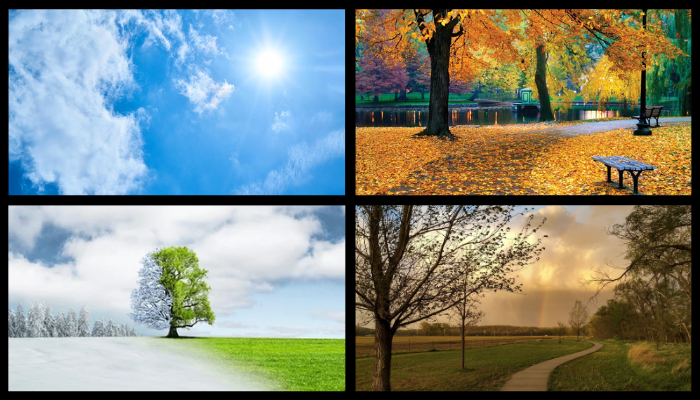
x=641, y=353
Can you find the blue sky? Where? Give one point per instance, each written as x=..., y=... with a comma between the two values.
x=273, y=271
x=176, y=102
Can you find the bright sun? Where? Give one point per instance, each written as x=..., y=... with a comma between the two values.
x=269, y=63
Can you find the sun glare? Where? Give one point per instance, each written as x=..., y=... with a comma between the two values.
x=269, y=63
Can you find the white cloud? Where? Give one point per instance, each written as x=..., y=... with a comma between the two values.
x=203, y=91
x=245, y=249
x=219, y=16
x=65, y=68
x=321, y=117
x=302, y=157
x=205, y=43
x=280, y=122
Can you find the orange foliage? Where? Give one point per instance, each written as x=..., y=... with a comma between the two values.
x=517, y=159
x=481, y=37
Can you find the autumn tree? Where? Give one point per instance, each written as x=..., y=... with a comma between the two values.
x=559, y=37
x=578, y=317
x=376, y=77
x=410, y=260
x=452, y=38
x=460, y=42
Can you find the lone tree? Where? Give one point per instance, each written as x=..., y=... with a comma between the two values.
x=560, y=329
x=410, y=264
x=578, y=317
x=171, y=292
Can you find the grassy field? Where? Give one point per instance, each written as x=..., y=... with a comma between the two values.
x=626, y=365
x=286, y=364
x=364, y=345
x=486, y=368
x=413, y=99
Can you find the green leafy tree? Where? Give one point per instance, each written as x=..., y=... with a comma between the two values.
x=183, y=279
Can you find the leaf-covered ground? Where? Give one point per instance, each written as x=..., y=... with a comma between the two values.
x=518, y=159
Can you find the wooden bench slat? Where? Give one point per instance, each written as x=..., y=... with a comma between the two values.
x=623, y=164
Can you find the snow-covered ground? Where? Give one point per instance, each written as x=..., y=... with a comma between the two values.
x=116, y=363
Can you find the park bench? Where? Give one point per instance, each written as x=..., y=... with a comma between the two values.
x=651, y=112
x=623, y=164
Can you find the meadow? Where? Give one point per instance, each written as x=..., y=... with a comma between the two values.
x=627, y=365
x=486, y=368
x=286, y=364
x=364, y=345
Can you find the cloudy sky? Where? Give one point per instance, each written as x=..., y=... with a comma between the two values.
x=176, y=102
x=576, y=243
x=273, y=271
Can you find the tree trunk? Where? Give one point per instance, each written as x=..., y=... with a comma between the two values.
x=541, y=82
x=173, y=332
x=382, y=357
x=462, y=343
x=376, y=98
x=439, y=50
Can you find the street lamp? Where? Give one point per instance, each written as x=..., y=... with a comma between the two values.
x=643, y=126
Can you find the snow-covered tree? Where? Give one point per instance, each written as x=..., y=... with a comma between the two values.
x=110, y=329
x=20, y=322
x=35, y=319
x=49, y=328
x=60, y=324
x=150, y=302
x=132, y=332
x=98, y=328
x=11, y=328
x=71, y=324
x=84, y=322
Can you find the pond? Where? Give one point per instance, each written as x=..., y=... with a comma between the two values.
x=486, y=116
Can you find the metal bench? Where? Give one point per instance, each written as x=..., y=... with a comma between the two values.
x=651, y=112
x=623, y=164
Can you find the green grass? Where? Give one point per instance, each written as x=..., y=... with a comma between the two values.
x=486, y=368
x=412, y=99
x=610, y=368
x=285, y=364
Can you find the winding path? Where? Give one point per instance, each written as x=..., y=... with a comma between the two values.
x=535, y=377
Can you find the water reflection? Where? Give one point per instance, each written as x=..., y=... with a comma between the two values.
x=486, y=116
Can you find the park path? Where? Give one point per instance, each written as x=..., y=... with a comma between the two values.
x=535, y=377
x=604, y=126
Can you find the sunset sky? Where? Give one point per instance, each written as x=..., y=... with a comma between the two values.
x=577, y=242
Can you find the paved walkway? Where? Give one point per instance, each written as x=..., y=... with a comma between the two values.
x=604, y=126
x=535, y=377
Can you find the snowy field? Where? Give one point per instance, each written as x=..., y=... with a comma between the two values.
x=116, y=363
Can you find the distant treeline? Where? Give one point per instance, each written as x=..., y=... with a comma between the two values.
x=40, y=322
x=443, y=329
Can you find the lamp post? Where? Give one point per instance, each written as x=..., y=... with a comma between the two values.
x=643, y=126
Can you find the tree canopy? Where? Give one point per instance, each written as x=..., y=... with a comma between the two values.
x=178, y=299
x=554, y=44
